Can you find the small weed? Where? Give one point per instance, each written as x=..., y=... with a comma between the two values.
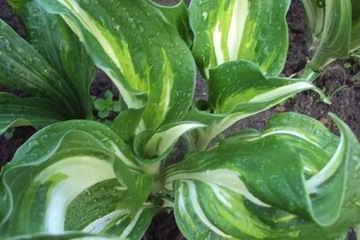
x=106, y=105
x=332, y=94
x=348, y=65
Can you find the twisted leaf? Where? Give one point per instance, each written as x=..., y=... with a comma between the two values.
x=295, y=180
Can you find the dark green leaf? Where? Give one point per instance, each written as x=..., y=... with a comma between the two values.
x=355, y=28
x=16, y=111
x=178, y=15
x=54, y=40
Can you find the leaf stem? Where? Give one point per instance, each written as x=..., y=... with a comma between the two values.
x=151, y=169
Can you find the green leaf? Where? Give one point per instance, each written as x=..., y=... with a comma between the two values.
x=315, y=16
x=120, y=221
x=295, y=180
x=140, y=51
x=232, y=30
x=238, y=90
x=355, y=28
x=18, y=3
x=116, y=106
x=109, y=95
x=330, y=23
x=103, y=113
x=74, y=177
x=236, y=86
x=17, y=111
x=126, y=124
x=66, y=236
x=54, y=40
x=178, y=15
x=100, y=104
x=22, y=68
x=78, y=66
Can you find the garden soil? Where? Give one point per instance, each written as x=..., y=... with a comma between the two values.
x=340, y=81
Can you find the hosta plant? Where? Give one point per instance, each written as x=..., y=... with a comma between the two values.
x=81, y=179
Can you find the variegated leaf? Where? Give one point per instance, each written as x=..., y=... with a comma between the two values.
x=238, y=90
x=154, y=146
x=295, y=180
x=75, y=177
x=140, y=51
x=315, y=16
x=240, y=29
x=330, y=22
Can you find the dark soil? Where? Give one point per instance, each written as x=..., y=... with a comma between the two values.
x=336, y=80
